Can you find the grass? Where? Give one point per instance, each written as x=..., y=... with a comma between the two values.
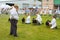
x=29, y=31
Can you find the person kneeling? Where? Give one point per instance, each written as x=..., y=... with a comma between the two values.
x=53, y=23
x=27, y=21
x=38, y=19
x=47, y=22
x=34, y=21
x=23, y=20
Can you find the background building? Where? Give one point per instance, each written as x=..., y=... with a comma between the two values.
x=50, y=4
x=47, y=4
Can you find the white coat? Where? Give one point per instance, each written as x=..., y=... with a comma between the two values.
x=39, y=19
x=0, y=10
x=50, y=11
x=45, y=11
x=27, y=19
x=53, y=23
x=13, y=14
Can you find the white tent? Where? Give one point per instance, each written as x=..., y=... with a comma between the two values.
x=5, y=6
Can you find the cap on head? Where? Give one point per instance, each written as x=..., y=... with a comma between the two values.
x=16, y=6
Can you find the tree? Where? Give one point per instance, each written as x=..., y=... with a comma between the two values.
x=39, y=0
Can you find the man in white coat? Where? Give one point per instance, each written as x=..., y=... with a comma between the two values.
x=39, y=19
x=53, y=23
x=14, y=20
x=27, y=21
x=0, y=10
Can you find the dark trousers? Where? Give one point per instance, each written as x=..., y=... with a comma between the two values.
x=13, y=30
x=35, y=22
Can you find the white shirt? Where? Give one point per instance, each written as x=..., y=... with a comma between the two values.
x=27, y=19
x=50, y=11
x=44, y=11
x=39, y=19
x=0, y=10
x=53, y=23
x=13, y=14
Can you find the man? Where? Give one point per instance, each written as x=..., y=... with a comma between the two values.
x=53, y=23
x=39, y=19
x=13, y=20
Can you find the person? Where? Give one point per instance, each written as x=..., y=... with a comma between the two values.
x=41, y=12
x=53, y=23
x=45, y=12
x=47, y=22
x=27, y=11
x=27, y=21
x=34, y=21
x=14, y=20
x=0, y=10
x=50, y=11
x=23, y=20
x=39, y=19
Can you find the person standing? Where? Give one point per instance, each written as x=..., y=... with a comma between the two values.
x=50, y=11
x=27, y=11
x=14, y=20
x=0, y=10
x=45, y=12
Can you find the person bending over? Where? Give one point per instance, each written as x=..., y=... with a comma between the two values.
x=39, y=19
x=34, y=21
x=23, y=20
x=27, y=21
x=47, y=23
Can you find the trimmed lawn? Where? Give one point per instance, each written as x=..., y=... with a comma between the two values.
x=28, y=31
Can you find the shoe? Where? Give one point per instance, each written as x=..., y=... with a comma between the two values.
x=11, y=34
x=15, y=36
x=56, y=27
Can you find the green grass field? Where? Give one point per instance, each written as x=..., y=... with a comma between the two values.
x=29, y=31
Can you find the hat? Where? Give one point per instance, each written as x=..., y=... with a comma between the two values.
x=16, y=6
